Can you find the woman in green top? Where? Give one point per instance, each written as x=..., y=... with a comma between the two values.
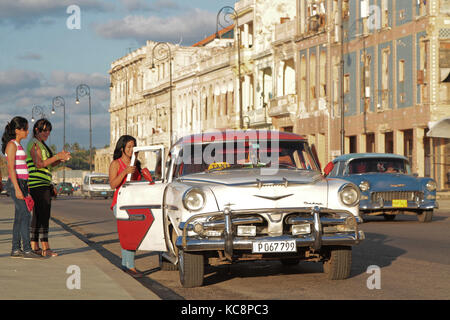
x=39, y=160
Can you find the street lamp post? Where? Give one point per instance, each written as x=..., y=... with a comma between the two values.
x=60, y=102
x=160, y=55
x=82, y=91
x=229, y=12
x=39, y=111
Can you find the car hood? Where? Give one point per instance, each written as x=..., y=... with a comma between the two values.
x=248, y=189
x=387, y=181
x=241, y=177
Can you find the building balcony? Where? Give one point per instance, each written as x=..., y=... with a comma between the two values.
x=444, y=93
x=283, y=106
x=257, y=118
x=285, y=31
x=243, y=5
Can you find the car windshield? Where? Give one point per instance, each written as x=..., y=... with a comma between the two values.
x=378, y=165
x=99, y=180
x=218, y=156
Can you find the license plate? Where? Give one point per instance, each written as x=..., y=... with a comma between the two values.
x=274, y=246
x=400, y=203
x=103, y=192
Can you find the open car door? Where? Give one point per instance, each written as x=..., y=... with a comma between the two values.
x=140, y=203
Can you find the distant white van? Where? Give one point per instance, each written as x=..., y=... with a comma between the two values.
x=96, y=185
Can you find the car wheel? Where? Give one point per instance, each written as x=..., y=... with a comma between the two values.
x=389, y=217
x=290, y=262
x=425, y=216
x=338, y=264
x=191, y=268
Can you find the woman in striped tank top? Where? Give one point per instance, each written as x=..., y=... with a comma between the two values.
x=16, y=131
x=40, y=159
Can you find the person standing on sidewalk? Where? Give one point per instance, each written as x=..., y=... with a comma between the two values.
x=16, y=131
x=40, y=159
x=118, y=171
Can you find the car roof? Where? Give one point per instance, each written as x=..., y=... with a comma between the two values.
x=352, y=156
x=231, y=135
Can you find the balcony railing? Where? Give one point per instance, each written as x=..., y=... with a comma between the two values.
x=258, y=117
x=285, y=31
x=283, y=106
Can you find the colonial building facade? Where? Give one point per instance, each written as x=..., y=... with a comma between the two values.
x=388, y=67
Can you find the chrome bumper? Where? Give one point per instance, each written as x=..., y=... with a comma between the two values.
x=238, y=243
x=228, y=242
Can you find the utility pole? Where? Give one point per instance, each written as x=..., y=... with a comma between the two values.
x=341, y=74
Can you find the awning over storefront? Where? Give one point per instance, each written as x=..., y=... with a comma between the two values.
x=439, y=129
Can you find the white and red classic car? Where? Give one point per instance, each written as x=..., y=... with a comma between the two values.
x=230, y=196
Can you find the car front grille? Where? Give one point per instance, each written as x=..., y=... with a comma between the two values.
x=397, y=195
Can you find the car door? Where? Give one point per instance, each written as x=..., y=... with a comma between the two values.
x=140, y=220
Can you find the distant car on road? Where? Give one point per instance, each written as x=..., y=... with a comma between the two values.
x=65, y=188
x=4, y=191
x=96, y=185
x=387, y=186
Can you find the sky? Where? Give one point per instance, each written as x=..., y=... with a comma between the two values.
x=48, y=48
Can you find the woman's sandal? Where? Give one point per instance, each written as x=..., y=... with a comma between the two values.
x=48, y=253
x=38, y=251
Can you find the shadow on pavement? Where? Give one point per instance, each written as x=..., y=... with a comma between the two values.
x=374, y=250
x=160, y=290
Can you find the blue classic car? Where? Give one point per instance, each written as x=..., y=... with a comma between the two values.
x=386, y=184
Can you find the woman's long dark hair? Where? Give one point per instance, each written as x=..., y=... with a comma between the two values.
x=9, y=134
x=39, y=126
x=120, y=148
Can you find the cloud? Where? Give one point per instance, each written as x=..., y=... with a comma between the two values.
x=22, y=13
x=20, y=90
x=15, y=80
x=191, y=26
x=156, y=6
x=30, y=56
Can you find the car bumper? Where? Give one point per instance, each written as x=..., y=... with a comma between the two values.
x=315, y=239
x=101, y=193
x=390, y=206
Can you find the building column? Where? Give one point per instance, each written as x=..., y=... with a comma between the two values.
x=380, y=142
x=346, y=145
x=399, y=144
x=419, y=156
x=362, y=146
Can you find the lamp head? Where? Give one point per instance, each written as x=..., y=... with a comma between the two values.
x=77, y=101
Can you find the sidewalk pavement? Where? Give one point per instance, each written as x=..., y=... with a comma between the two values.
x=443, y=195
x=52, y=278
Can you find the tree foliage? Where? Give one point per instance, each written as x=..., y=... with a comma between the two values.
x=80, y=156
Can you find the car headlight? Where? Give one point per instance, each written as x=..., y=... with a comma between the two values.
x=431, y=185
x=194, y=199
x=364, y=186
x=349, y=195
